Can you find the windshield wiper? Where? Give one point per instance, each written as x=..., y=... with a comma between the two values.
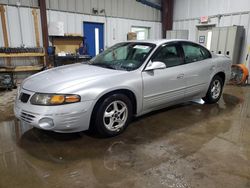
x=86, y=62
x=104, y=65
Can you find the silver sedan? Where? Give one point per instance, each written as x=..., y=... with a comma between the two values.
x=126, y=80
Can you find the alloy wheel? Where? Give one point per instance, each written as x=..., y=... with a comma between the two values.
x=115, y=115
x=216, y=89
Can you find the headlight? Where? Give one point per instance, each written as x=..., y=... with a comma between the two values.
x=53, y=99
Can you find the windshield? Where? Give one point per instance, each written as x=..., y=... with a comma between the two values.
x=123, y=56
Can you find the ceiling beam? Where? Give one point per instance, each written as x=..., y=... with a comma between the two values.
x=150, y=3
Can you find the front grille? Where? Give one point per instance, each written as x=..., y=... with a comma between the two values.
x=27, y=117
x=24, y=97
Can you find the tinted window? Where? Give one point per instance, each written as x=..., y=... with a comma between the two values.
x=206, y=54
x=169, y=55
x=194, y=53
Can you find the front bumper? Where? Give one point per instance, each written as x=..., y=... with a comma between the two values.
x=73, y=117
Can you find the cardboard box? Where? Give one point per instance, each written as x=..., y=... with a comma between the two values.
x=132, y=36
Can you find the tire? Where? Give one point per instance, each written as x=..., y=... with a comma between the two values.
x=215, y=90
x=112, y=116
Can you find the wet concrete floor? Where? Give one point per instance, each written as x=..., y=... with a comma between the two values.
x=190, y=145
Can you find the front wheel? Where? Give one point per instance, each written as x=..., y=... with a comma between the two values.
x=214, y=91
x=113, y=115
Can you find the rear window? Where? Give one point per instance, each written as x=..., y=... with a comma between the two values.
x=193, y=52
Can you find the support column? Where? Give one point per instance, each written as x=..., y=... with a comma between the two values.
x=167, y=16
x=4, y=26
x=42, y=5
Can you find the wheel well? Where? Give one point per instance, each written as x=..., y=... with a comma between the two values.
x=222, y=75
x=126, y=92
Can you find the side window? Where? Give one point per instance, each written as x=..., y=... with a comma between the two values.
x=194, y=53
x=169, y=55
x=206, y=53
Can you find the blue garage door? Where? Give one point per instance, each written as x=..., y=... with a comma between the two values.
x=94, y=37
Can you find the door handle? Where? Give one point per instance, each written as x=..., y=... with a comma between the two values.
x=181, y=76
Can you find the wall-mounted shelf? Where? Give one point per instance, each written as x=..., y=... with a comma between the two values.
x=20, y=69
x=9, y=68
x=67, y=37
x=21, y=55
x=66, y=43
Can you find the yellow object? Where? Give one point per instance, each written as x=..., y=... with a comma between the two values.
x=57, y=99
x=20, y=69
x=22, y=54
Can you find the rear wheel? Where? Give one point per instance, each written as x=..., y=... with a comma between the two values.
x=215, y=90
x=113, y=115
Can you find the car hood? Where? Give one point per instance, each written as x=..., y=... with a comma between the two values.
x=57, y=79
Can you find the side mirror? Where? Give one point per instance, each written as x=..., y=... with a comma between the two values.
x=155, y=65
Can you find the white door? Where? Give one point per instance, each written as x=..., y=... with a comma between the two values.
x=204, y=36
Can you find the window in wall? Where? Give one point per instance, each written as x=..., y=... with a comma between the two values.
x=142, y=32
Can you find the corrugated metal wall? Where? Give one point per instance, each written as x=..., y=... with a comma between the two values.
x=184, y=9
x=188, y=12
x=20, y=33
x=116, y=29
x=113, y=8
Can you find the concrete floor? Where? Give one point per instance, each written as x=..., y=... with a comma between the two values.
x=190, y=145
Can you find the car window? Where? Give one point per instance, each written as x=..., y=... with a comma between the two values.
x=136, y=52
x=206, y=54
x=124, y=56
x=169, y=55
x=194, y=53
x=117, y=54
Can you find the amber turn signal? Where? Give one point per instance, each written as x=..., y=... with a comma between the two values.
x=72, y=98
x=57, y=99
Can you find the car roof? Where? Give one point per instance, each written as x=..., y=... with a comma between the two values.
x=161, y=41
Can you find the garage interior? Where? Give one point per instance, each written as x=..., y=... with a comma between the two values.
x=188, y=145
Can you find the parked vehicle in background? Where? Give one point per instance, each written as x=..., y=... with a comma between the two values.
x=126, y=80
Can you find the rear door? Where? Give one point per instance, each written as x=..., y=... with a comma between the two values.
x=199, y=68
x=164, y=86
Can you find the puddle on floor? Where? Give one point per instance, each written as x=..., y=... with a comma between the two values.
x=189, y=145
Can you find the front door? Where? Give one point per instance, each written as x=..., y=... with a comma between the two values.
x=164, y=86
x=94, y=37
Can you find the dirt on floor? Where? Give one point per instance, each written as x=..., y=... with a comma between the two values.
x=6, y=104
x=191, y=145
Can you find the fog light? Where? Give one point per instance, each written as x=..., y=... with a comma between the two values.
x=46, y=123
